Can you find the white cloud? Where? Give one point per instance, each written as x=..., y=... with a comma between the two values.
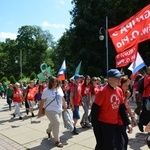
x=4, y=35
x=46, y=24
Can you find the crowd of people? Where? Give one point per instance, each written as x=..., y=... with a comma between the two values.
x=106, y=105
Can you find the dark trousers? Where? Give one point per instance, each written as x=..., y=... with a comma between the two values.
x=26, y=105
x=9, y=101
x=108, y=136
x=145, y=115
x=138, y=104
x=124, y=139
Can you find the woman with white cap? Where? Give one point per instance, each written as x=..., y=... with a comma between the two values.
x=17, y=99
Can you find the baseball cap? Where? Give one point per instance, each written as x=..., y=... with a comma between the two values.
x=114, y=73
x=77, y=76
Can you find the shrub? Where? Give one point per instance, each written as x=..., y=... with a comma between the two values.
x=32, y=76
x=12, y=79
x=4, y=79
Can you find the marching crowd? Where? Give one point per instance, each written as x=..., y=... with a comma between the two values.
x=105, y=103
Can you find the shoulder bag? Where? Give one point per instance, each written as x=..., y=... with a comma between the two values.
x=43, y=109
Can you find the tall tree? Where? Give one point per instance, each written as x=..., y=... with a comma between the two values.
x=82, y=40
x=33, y=42
x=10, y=51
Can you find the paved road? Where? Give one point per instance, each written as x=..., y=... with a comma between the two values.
x=29, y=134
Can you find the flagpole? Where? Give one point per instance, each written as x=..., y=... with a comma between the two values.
x=106, y=32
x=66, y=69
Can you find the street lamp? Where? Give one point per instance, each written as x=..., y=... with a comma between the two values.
x=101, y=38
x=16, y=61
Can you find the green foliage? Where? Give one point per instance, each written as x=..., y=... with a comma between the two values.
x=21, y=77
x=26, y=79
x=79, y=43
x=33, y=76
x=32, y=42
x=4, y=79
x=12, y=79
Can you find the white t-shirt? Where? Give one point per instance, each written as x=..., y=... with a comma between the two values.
x=49, y=95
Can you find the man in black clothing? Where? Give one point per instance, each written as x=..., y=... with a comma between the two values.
x=106, y=110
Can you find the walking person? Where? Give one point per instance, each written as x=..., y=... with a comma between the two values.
x=136, y=96
x=66, y=90
x=53, y=100
x=17, y=100
x=31, y=91
x=41, y=85
x=75, y=100
x=125, y=82
x=145, y=114
x=5, y=88
x=1, y=90
x=105, y=112
x=95, y=89
x=9, y=93
x=86, y=100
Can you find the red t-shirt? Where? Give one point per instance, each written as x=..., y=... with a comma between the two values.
x=17, y=95
x=76, y=90
x=96, y=89
x=135, y=85
x=109, y=100
x=31, y=92
x=146, y=92
x=86, y=90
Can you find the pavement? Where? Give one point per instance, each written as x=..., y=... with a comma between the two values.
x=30, y=133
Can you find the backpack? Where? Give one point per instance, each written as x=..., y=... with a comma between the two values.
x=141, y=86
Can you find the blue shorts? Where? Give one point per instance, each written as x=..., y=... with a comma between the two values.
x=76, y=112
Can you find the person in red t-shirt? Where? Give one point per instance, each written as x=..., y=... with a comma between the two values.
x=86, y=99
x=145, y=114
x=31, y=91
x=105, y=112
x=17, y=99
x=41, y=86
x=95, y=88
x=75, y=100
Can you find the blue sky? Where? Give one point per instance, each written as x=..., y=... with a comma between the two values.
x=52, y=15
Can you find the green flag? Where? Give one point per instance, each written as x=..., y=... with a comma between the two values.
x=48, y=72
x=44, y=75
x=41, y=76
x=78, y=68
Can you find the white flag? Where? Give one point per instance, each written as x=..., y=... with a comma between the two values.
x=62, y=71
x=137, y=64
